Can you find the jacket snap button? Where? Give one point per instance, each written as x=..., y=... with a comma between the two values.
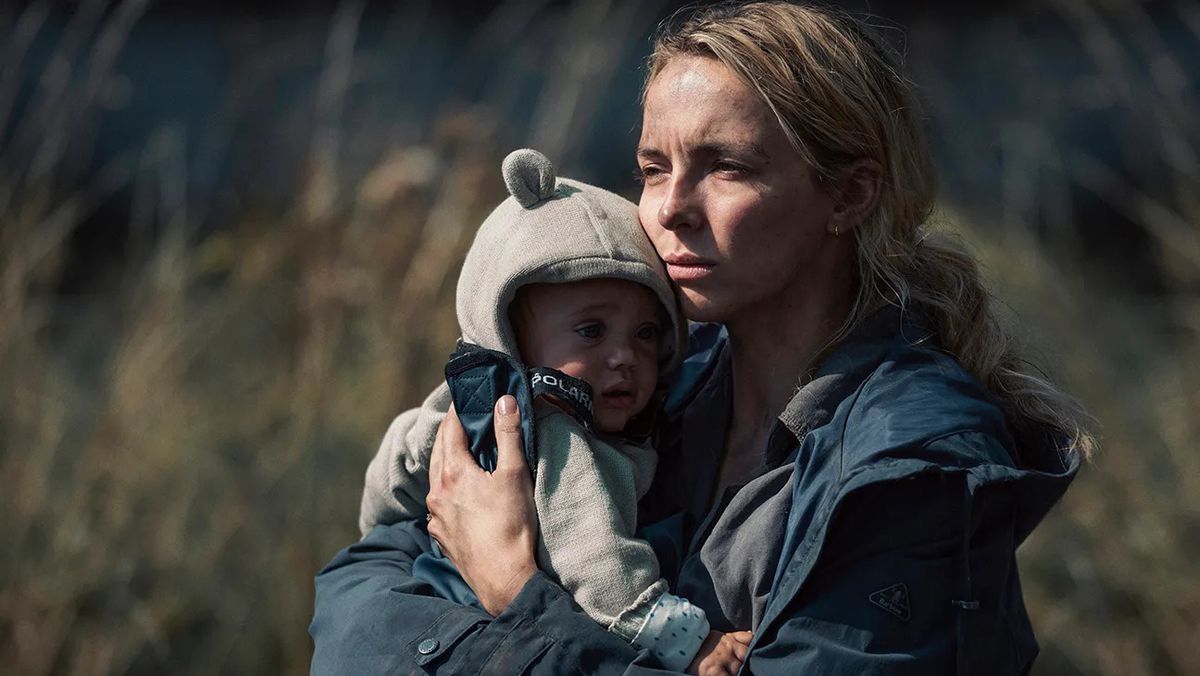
x=427, y=646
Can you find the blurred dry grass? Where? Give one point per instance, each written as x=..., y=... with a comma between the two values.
x=181, y=450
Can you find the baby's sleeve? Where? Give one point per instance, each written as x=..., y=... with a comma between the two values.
x=586, y=494
x=397, y=478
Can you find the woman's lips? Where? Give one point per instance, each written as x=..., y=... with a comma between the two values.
x=688, y=267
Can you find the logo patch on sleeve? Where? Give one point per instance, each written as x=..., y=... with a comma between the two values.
x=894, y=600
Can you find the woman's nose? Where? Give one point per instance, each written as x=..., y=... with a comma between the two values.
x=678, y=209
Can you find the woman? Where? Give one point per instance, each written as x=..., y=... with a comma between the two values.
x=846, y=468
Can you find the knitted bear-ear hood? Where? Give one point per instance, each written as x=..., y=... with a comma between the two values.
x=552, y=230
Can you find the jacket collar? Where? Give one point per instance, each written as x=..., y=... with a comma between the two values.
x=841, y=371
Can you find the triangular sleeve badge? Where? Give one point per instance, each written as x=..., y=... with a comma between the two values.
x=894, y=600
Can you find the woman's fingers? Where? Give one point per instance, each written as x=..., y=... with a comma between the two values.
x=486, y=524
x=449, y=423
x=507, y=427
x=451, y=454
x=453, y=434
x=738, y=644
x=740, y=649
x=448, y=441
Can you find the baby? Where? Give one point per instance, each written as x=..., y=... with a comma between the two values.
x=561, y=287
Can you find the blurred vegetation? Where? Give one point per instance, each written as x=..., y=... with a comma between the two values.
x=182, y=440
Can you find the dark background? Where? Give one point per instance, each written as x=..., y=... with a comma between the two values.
x=230, y=231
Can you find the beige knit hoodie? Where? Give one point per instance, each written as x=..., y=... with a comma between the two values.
x=586, y=487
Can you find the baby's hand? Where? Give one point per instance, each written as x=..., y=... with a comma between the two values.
x=721, y=654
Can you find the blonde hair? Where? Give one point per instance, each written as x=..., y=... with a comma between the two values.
x=839, y=96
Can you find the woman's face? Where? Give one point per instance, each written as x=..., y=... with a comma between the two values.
x=728, y=203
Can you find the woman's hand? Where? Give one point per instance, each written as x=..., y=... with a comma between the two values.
x=485, y=523
x=721, y=654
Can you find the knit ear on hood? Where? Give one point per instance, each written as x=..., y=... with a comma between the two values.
x=552, y=231
x=529, y=177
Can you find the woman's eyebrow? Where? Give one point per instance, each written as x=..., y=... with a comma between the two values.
x=647, y=153
x=713, y=149
x=719, y=149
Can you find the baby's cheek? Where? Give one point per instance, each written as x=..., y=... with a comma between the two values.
x=574, y=368
x=648, y=365
x=648, y=354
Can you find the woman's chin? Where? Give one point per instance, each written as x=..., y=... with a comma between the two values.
x=699, y=307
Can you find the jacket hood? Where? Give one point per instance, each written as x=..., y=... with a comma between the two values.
x=554, y=230
x=914, y=396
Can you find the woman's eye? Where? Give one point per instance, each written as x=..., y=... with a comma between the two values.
x=648, y=332
x=590, y=331
x=730, y=168
x=648, y=173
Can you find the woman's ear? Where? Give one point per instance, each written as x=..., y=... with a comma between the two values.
x=855, y=193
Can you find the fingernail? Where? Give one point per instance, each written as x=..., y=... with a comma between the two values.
x=506, y=405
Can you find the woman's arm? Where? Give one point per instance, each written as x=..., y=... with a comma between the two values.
x=915, y=576
x=372, y=616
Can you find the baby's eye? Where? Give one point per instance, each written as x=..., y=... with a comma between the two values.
x=591, y=330
x=648, y=332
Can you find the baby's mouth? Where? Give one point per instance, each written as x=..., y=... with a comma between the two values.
x=620, y=396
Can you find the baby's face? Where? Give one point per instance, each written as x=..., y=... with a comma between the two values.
x=605, y=331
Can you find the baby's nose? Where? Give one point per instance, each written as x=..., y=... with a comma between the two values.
x=621, y=356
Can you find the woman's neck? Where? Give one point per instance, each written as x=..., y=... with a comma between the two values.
x=771, y=359
x=774, y=344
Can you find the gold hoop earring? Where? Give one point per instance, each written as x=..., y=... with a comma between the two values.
x=837, y=230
